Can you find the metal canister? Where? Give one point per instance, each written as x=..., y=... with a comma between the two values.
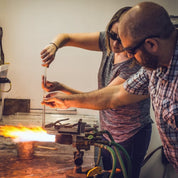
x=25, y=150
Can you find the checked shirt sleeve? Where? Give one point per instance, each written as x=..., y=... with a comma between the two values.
x=138, y=83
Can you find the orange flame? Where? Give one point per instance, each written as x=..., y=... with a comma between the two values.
x=23, y=134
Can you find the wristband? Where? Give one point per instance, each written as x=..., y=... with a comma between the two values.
x=54, y=45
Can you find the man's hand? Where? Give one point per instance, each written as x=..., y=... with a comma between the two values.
x=50, y=86
x=55, y=100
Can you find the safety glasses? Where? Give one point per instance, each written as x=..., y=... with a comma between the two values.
x=113, y=36
x=132, y=50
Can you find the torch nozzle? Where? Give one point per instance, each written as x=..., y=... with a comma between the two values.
x=64, y=139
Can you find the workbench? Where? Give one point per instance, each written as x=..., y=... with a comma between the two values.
x=51, y=160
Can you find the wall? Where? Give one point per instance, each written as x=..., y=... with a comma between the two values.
x=29, y=25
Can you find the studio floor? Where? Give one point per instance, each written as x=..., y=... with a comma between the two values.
x=50, y=160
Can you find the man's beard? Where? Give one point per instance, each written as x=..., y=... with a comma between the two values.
x=148, y=60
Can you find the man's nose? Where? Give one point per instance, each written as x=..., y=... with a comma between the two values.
x=115, y=42
x=129, y=55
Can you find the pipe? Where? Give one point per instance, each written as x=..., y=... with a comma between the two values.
x=98, y=158
x=113, y=157
x=44, y=107
x=120, y=161
x=118, y=155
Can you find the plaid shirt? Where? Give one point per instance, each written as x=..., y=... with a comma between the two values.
x=162, y=84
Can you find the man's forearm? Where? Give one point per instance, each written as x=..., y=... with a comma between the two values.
x=68, y=90
x=91, y=100
x=108, y=97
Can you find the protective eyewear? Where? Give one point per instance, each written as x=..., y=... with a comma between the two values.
x=114, y=37
x=132, y=50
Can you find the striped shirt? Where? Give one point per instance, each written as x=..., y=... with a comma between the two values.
x=162, y=84
x=125, y=121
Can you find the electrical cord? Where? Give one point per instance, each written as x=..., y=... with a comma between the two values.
x=150, y=155
x=164, y=160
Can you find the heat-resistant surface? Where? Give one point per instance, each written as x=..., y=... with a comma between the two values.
x=51, y=160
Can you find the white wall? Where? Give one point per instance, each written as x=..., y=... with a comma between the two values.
x=29, y=25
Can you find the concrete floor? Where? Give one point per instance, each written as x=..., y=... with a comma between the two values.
x=48, y=163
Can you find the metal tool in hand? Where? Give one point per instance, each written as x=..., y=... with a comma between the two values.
x=44, y=107
x=57, y=124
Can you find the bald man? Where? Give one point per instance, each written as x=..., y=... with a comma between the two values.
x=148, y=35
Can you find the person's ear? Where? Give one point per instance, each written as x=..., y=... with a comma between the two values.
x=151, y=45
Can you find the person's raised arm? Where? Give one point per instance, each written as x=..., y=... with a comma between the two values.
x=89, y=41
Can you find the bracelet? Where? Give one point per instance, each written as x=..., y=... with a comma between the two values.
x=54, y=45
